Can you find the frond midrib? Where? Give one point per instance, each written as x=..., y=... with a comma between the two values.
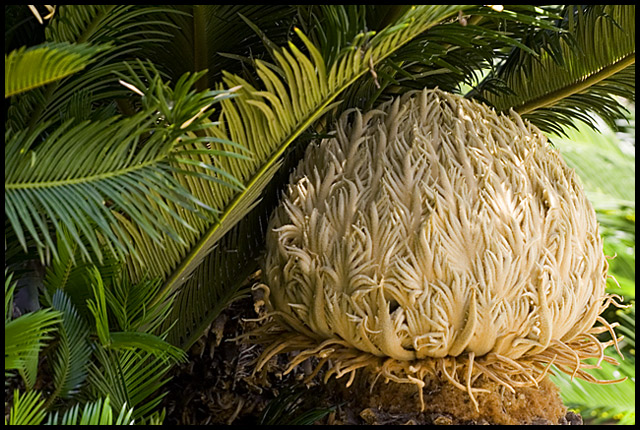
x=577, y=86
x=83, y=180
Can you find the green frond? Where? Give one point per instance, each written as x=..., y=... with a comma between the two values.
x=201, y=35
x=67, y=182
x=72, y=276
x=98, y=412
x=455, y=54
x=26, y=69
x=73, y=350
x=129, y=377
x=25, y=336
x=116, y=25
x=140, y=341
x=27, y=409
x=297, y=90
x=578, y=75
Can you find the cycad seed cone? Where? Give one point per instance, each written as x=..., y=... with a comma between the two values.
x=432, y=230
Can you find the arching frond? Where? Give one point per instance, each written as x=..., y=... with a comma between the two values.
x=81, y=175
x=459, y=52
x=580, y=74
x=98, y=25
x=26, y=69
x=203, y=35
x=25, y=336
x=129, y=377
x=27, y=408
x=72, y=351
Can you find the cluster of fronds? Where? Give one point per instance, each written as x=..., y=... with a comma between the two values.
x=104, y=348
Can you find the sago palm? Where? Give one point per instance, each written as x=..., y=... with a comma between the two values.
x=161, y=136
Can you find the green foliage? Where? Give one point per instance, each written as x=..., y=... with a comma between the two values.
x=26, y=69
x=80, y=187
x=150, y=183
x=112, y=350
x=99, y=412
x=25, y=336
x=27, y=409
x=577, y=71
x=73, y=349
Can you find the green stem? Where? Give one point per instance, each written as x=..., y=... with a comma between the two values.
x=553, y=97
x=102, y=176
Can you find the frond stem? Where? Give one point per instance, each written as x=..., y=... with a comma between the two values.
x=551, y=98
x=76, y=181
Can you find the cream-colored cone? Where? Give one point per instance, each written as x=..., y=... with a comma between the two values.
x=433, y=230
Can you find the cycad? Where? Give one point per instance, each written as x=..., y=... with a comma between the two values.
x=195, y=215
x=298, y=90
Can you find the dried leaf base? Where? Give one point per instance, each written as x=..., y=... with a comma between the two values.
x=491, y=388
x=444, y=403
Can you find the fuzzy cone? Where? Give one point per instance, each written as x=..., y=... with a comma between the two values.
x=430, y=235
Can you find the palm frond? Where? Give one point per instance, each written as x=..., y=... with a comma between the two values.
x=98, y=412
x=140, y=341
x=129, y=366
x=72, y=275
x=297, y=90
x=27, y=409
x=129, y=377
x=117, y=25
x=73, y=350
x=98, y=308
x=456, y=54
x=26, y=69
x=578, y=74
x=130, y=304
x=202, y=35
x=333, y=28
x=25, y=336
x=79, y=187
